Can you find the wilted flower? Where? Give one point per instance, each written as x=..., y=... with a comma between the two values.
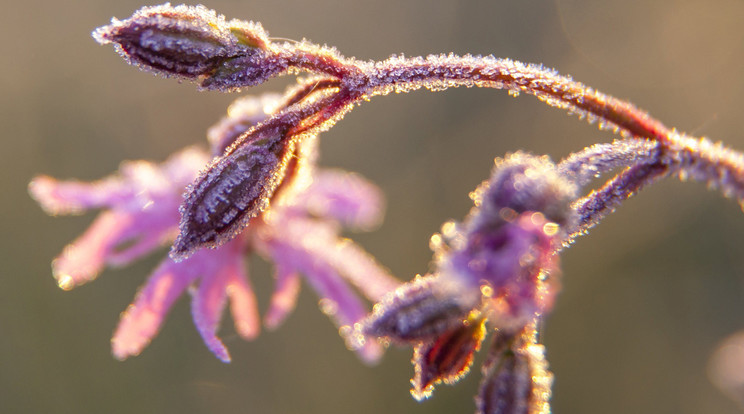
x=299, y=234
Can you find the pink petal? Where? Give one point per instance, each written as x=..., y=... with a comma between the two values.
x=145, y=244
x=321, y=240
x=74, y=197
x=83, y=259
x=337, y=300
x=358, y=267
x=226, y=277
x=243, y=305
x=344, y=197
x=142, y=319
x=284, y=298
x=206, y=308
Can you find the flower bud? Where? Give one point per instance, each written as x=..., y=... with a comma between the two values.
x=515, y=377
x=234, y=189
x=189, y=42
x=419, y=311
x=447, y=358
x=522, y=182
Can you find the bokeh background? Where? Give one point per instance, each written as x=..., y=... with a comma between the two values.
x=647, y=296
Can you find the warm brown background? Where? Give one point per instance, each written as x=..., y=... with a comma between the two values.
x=646, y=297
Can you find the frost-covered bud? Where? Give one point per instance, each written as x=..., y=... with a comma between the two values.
x=242, y=114
x=234, y=189
x=523, y=182
x=192, y=43
x=419, y=311
x=505, y=246
x=515, y=377
x=447, y=358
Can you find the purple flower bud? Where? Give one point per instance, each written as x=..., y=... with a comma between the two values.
x=192, y=43
x=420, y=310
x=243, y=113
x=234, y=189
x=448, y=358
x=516, y=379
x=505, y=246
x=524, y=182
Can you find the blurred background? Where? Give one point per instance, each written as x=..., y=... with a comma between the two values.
x=646, y=297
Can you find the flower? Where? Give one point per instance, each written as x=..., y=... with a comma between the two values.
x=299, y=233
x=142, y=213
x=497, y=266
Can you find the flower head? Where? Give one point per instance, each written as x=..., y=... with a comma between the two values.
x=299, y=234
x=495, y=266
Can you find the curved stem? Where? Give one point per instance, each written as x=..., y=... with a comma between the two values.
x=443, y=71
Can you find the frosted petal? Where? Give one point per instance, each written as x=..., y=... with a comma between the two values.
x=83, y=259
x=284, y=298
x=345, y=197
x=206, y=308
x=74, y=197
x=141, y=321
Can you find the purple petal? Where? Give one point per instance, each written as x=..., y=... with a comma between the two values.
x=320, y=238
x=337, y=300
x=284, y=298
x=358, y=267
x=135, y=188
x=206, y=308
x=142, y=245
x=344, y=197
x=223, y=274
x=74, y=197
x=243, y=305
x=142, y=319
x=83, y=259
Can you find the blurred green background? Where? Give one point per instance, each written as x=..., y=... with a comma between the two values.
x=646, y=297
